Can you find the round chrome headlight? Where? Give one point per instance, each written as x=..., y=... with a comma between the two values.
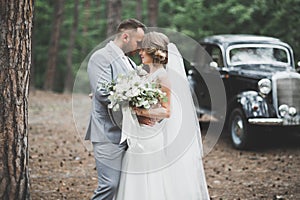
x=283, y=110
x=292, y=111
x=264, y=86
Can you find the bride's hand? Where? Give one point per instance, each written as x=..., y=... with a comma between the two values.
x=144, y=120
x=139, y=111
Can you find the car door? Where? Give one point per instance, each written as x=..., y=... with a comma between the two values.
x=206, y=75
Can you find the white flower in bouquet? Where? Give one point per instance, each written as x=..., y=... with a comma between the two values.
x=135, y=89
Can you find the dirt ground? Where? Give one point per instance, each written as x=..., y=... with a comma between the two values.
x=62, y=165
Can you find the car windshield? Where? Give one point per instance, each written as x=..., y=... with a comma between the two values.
x=258, y=54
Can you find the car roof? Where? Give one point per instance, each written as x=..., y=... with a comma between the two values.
x=241, y=38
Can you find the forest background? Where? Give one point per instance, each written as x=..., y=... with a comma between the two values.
x=66, y=31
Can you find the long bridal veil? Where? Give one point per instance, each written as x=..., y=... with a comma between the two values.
x=183, y=145
x=182, y=103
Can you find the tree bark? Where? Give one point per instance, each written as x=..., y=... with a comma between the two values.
x=15, y=61
x=69, y=81
x=54, y=44
x=152, y=12
x=113, y=16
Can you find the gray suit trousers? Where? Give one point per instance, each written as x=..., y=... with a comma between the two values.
x=108, y=158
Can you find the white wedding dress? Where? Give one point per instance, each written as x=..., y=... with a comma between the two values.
x=164, y=162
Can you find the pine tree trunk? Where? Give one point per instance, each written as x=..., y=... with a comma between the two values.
x=54, y=44
x=98, y=13
x=139, y=9
x=86, y=15
x=15, y=61
x=69, y=80
x=152, y=12
x=113, y=16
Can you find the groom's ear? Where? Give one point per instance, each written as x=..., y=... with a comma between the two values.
x=125, y=37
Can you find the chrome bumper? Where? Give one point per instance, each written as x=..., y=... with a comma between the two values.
x=274, y=121
x=265, y=121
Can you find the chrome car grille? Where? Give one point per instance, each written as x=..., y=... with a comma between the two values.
x=286, y=90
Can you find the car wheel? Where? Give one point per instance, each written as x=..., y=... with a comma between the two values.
x=239, y=130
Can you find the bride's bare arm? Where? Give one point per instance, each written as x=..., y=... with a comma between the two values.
x=160, y=112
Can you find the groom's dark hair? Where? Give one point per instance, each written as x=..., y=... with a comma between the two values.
x=130, y=24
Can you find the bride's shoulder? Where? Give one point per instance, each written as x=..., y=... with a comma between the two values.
x=163, y=77
x=161, y=72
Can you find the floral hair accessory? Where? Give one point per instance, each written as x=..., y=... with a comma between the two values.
x=162, y=55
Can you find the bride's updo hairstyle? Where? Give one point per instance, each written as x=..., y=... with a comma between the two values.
x=155, y=44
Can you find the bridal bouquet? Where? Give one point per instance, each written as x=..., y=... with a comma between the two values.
x=135, y=89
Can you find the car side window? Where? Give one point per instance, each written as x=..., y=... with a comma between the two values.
x=216, y=54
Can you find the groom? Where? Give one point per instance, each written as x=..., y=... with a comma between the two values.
x=104, y=66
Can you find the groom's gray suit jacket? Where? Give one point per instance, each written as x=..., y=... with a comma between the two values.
x=104, y=65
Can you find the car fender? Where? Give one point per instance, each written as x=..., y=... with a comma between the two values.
x=252, y=104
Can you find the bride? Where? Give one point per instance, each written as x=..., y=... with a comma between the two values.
x=164, y=159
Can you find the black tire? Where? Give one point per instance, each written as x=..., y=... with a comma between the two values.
x=239, y=130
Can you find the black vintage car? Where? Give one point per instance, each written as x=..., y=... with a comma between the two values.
x=261, y=84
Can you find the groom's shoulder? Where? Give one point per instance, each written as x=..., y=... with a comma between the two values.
x=103, y=53
x=102, y=50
